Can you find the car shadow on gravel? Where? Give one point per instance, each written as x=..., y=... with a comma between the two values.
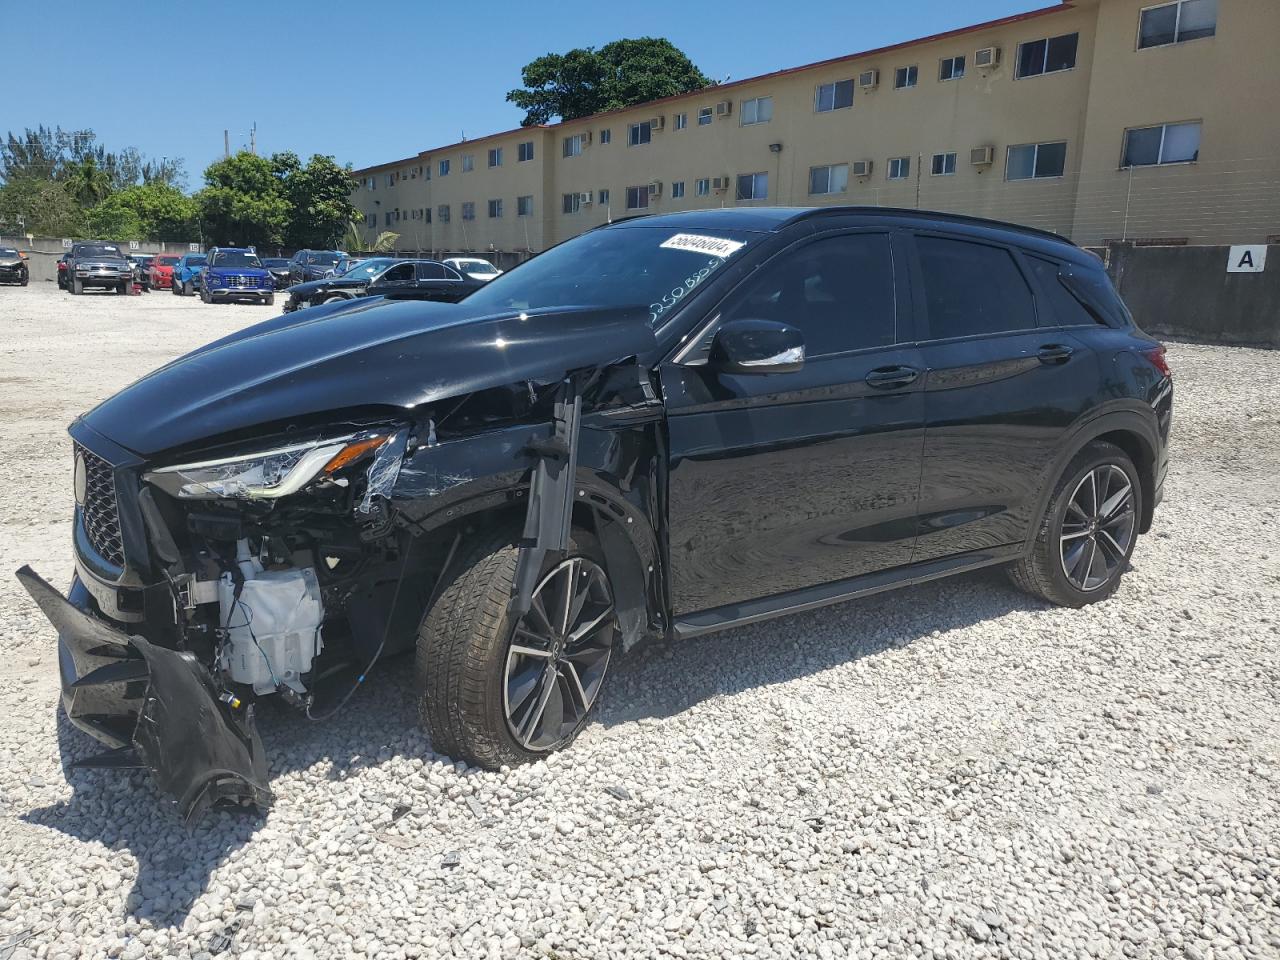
x=663, y=678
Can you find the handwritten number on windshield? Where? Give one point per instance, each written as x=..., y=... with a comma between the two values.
x=677, y=294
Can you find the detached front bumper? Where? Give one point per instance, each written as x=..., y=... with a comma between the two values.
x=156, y=707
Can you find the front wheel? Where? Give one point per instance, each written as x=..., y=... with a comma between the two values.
x=270, y=300
x=204, y=295
x=496, y=690
x=1088, y=531
x=77, y=287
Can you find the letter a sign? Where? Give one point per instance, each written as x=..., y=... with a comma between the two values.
x=1250, y=259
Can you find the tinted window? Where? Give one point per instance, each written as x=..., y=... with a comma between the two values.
x=430, y=271
x=971, y=288
x=1067, y=310
x=838, y=292
x=400, y=272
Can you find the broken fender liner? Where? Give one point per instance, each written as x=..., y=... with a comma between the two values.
x=200, y=749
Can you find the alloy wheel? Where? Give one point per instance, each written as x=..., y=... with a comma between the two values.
x=558, y=655
x=1098, y=528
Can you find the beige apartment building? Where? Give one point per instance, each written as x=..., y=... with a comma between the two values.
x=1098, y=119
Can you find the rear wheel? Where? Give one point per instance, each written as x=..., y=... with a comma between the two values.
x=496, y=690
x=1088, y=531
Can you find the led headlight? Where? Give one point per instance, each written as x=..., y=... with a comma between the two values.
x=266, y=475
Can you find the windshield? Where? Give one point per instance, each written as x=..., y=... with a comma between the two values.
x=632, y=266
x=276, y=262
x=97, y=250
x=8, y=252
x=196, y=261
x=367, y=268
x=235, y=258
x=328, y=259
x=166, y=261
x=476, y=266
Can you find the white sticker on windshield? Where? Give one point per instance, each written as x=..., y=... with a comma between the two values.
x=696, y=243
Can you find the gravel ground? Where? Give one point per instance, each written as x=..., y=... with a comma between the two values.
x=952, y=770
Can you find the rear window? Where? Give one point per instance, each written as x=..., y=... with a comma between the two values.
x=166, y=261
x=1065, y=310
x=973, y=288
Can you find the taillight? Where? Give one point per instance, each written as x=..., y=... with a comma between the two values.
x=1158, y=360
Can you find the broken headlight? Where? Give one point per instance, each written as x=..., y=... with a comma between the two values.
x=266, y=475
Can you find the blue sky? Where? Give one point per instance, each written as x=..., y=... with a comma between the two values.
x=370, y=82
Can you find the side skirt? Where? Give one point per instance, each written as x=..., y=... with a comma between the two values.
x=810, y=598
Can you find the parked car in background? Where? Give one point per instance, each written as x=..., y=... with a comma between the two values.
x=399, y=279
x=186, y=274
x=278, y=267
x=473, y=267
x=141, y=264
x=95, y=263
x=62, y=271
x=312, y=264
x=573, y=459
x=346, y=263
x=160, y=271
x=13, y=267
x=236, y=273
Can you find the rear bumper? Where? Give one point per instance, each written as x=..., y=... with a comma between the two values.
x=155, y=707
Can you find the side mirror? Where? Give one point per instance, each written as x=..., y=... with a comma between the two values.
x=756, y=346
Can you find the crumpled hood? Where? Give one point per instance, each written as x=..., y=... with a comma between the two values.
x=304, y=290
x=11, y=261
x=394, y=355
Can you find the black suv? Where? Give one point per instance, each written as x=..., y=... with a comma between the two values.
x=93, y=263
x=306, y=265
x=665, y=426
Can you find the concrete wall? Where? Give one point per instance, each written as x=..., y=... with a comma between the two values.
x=1187, y=292
x=43, y=253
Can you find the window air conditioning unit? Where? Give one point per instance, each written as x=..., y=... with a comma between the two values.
x=869, y=79
x=982, y=156
x=724, y=108
x=657, y=123
x=720, y=184
x=987, y=57
x=655, y=188
x=861, y=168
x=584, y=199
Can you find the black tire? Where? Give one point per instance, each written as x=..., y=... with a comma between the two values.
x=1044, y=572
x=204, y=296
x=462, y=652
x=188, y=288
x=25, y=281
x=123, y=288
x=270, y=300
x=77, y=286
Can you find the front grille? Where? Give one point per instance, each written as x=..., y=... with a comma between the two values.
x=241, y=282
x=101, y=518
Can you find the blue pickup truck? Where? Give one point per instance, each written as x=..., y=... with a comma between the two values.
x=186, y=274
x=236, y=273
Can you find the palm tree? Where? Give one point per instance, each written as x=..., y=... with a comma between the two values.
x=88, y=183
x=353, y=240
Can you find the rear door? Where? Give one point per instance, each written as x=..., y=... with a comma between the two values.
x=1004, y=382
x=779, y=482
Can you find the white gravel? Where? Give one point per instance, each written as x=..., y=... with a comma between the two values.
x=951, y=770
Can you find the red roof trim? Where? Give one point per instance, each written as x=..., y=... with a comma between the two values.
x=1062, y=6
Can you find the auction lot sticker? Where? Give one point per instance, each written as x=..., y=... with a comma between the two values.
x=696, y=243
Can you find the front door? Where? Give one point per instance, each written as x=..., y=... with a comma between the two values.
x=784, y=481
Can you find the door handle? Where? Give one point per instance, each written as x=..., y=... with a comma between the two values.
x=1055, y=353
x=890, y=378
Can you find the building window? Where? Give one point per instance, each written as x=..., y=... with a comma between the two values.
x=905, y=77
x=444, y=168
x=829, y=179
x=495, y=157
x=442, y=213
x=757, y=110
x=677, y=189
x=495, y=209
x=573, y=145
x=1047, y=56
x=468, y=210
x=606, y=135
x=468, y=162
x=372, y=183
x=899, y=168
x=604, y=198
x=638, y=197
x=702, y=187
x=524, y=151
x=638, y=133
x=425, y=214
x=569, y=203
x=1177, y=23
x=705, y=116
x=680, y=121
x=944, y=164
x=951, y=68
x=833, y=96
x=388, y=223
x=753, y=186
x=524, y=206
x=1167, y=143
x=426, y=171
x=1036, y=161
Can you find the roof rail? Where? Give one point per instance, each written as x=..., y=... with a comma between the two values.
x=936, y=215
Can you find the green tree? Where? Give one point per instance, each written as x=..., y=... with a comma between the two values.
x=244, y=202
x=353, y=240
x=88, y=183
x=620, y=74
x=155, y=211
x=46, y=208
x=319, y=197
